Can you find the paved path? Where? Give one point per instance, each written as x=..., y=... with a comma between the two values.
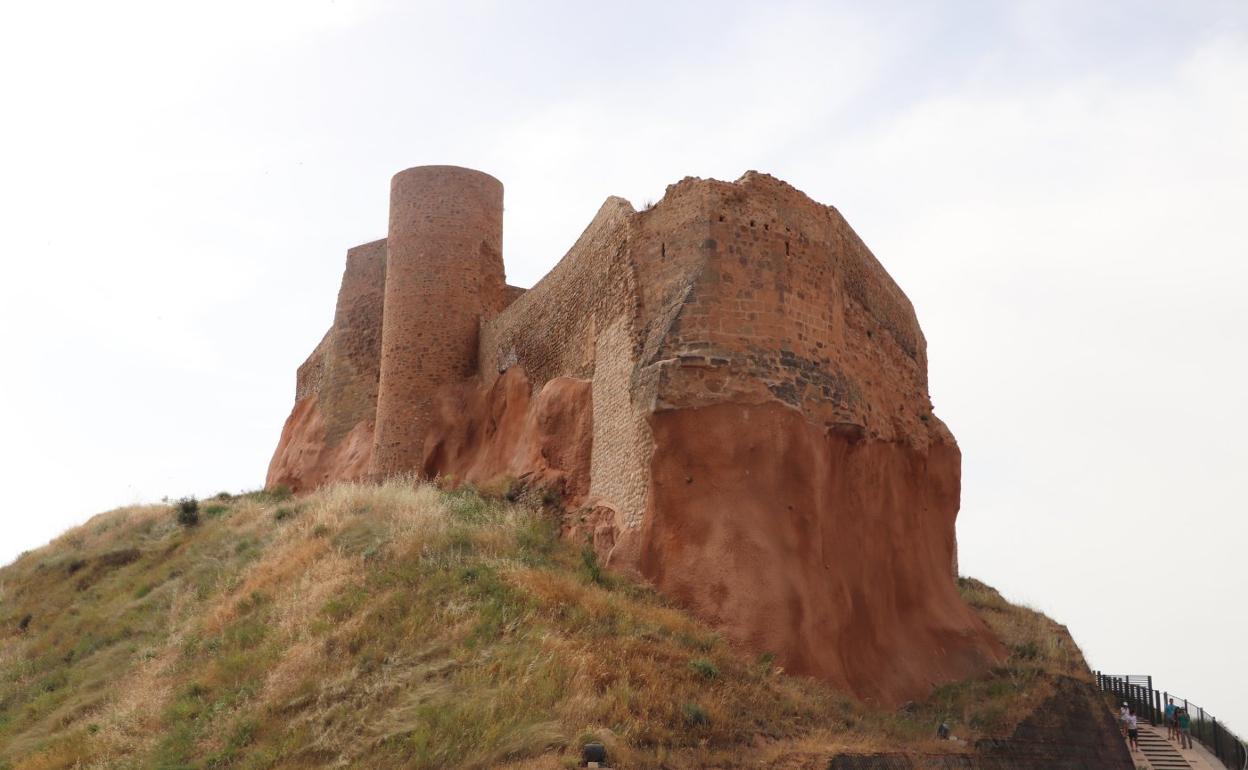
x=1159, y=753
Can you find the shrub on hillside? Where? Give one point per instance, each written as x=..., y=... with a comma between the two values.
x=695, y=715
x=187, y=511
x=704, y=668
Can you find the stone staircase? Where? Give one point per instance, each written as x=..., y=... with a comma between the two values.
x=1161, y=753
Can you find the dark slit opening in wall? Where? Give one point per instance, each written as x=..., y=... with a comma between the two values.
x=786, y=248
x=663, y=250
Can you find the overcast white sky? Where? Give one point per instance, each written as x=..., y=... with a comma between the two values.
x=1060, y=187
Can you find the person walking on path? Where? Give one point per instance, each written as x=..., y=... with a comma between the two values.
x=1185, y=729
x=1172, y=729
x=1133, y=730
x=1122, y=719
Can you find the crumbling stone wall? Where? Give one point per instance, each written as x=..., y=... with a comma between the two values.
x=311, y=372
x=622, y=445
x=329, y=434
x=352, y=361
x=789, y=305
x=590, y=297
x=550, y=330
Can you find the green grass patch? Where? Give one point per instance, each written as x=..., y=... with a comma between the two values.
x=399, y=626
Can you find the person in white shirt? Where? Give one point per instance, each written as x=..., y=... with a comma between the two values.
x=1122, y=719
x=1133, y=730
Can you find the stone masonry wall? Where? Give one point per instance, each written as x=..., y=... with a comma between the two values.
x=782, y=280
x=590, y=297
x=311, y=372
x=622, y=444
x=348, y=392
x=551, y=328
x=444, y=273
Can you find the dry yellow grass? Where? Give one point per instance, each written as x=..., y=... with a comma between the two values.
x=399, y=625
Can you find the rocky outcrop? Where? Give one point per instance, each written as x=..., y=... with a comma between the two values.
x=727, y=392
x=507, y=432
x=306, y=458
x=826, y=548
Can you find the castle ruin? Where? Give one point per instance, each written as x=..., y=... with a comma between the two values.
x=726, y=392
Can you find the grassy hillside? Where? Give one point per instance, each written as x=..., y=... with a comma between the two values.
x=404, y=626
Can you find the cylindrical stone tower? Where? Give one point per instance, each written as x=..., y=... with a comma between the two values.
x=444, y=272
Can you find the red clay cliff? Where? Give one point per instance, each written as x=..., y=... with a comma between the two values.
x=727, y=387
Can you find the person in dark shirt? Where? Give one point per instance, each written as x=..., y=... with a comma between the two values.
x=1185, y=729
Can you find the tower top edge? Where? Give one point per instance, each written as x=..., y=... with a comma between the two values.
x=445, y=171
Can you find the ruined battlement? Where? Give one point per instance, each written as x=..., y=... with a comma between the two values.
x=726, y=391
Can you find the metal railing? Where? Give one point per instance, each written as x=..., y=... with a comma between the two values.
x=1149, y=703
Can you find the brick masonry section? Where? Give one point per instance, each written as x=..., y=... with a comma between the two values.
x=349, y=384
x=444, y=274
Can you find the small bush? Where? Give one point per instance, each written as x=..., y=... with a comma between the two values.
x=704, y=668
x=284, y=512
x=187, y=511
x=224, y=496
x=694, y=714
x=1028, y=650
x=766, y=663
x=501, y=487
x=248, y=603
x=215, y=510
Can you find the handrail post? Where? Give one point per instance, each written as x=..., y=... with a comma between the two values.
x=1152, y=714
